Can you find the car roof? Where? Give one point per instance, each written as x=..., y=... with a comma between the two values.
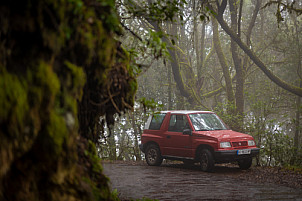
x=185, y=111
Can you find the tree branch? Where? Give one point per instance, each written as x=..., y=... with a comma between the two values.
x=287, y=86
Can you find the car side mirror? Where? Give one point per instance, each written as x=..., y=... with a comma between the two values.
x=187, y=132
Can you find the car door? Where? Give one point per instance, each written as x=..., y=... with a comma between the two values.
x=176, y=143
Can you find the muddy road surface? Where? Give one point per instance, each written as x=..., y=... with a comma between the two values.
x=180, y=182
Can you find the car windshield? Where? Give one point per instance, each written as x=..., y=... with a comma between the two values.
x=206, y=122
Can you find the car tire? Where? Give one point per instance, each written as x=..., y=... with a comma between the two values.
x=153, y=155
x=206, y=160
x=245, y=164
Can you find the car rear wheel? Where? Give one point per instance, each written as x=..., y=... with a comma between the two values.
x=206, y=161
x=245, y=164
x=153, y=155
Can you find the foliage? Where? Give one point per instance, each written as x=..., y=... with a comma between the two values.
x=278, y=149
x=156, y=10
x=231, y=119
x=123, y=143
x=150, y=104
x=283, y=7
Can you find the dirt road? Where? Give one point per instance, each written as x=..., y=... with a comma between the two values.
x=180, y=182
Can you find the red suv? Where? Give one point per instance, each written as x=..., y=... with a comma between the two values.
x=195, y=136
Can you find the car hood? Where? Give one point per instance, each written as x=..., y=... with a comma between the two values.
x=225, y=135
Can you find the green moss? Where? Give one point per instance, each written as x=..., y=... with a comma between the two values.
x=78, y=80
x=48, y=78
x=92, y=154
x=97, y=181
x=70, y=103
x=44, y=86
x=57, y=131
x=99, y=194
x=13, y=101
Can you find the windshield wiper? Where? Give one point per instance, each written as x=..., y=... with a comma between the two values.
x=203, y=130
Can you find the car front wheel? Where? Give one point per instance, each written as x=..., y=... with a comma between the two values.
x=153, y=155
x=245, y=164
x=206, y=161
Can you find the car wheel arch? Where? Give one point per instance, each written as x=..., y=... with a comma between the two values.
x=151, y=143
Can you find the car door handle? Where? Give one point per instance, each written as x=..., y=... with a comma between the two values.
x=168, y=136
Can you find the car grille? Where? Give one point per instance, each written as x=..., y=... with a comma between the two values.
x=239, y=144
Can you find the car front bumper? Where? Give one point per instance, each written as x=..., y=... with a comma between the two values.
x=231, y=155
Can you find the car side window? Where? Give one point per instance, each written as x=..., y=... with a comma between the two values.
x=178, y=123
x=156, y=121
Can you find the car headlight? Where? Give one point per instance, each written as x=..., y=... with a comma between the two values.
x=225, y=144
x=251, y=143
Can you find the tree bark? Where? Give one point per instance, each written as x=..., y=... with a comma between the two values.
x=137, y=152
x=198, y=46
x=176, y=67
x=170, y=104
x=202, y=48
x=240, y=75
x=223, y=63
x=297, y=122
x=249, y=33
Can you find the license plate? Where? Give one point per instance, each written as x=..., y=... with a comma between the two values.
x=243, y=151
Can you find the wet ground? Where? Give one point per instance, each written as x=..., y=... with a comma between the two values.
x=180, y=182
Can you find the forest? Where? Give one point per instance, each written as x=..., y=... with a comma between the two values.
x=78, y=78
x=241, y=59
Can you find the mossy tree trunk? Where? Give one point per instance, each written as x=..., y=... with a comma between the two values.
x=58, y=61
x=223, y=63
